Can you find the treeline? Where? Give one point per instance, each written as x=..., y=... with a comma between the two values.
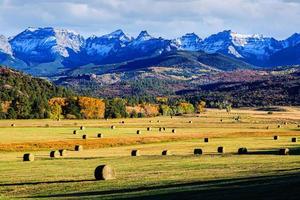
x=94, y=108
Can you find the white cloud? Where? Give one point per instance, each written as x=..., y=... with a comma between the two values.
x=167, y=18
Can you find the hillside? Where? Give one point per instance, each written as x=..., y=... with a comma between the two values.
x=23, y=96
x=280, y=88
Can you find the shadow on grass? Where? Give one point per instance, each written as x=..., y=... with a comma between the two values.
x=45, y=182
x=262, y=187
x=292, y=151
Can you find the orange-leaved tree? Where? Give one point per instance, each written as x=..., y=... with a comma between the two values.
x=91, y=108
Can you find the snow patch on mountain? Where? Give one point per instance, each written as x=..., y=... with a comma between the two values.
x=5, y=46
x=34, y=41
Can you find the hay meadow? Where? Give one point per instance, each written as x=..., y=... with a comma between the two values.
x=180, y=174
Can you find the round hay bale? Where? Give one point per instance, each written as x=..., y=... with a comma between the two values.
x=279, y=126
x=28, y=157
x=85, y=137
x=294, y=139
x=82, y=127
x=158, y=121
x=298, y=126
x=106, y=119
x=113, y=127
x=198, y=152
x=13, y=125
x=190, y=122
x=62, y=152
x=78, y=148
x=135, y=152
x=138, y=132
x=268, y=128
x=160, y=129
x=221, y=120
x=166, y=153
x=205, y=140
x=221, y=150
x=173, y=130
x=164, y=128
x=149, y=129
x=104, y=172
x=171, y=117
x=74, y=132
x=243, y=150
x=285, y=123
x=284, y=151
x=54, y=154
x=99, y=135
x=276, y=137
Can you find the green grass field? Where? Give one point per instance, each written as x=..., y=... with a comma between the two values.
x=261, y=174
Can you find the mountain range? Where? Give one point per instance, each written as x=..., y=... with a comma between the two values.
x=54, y=52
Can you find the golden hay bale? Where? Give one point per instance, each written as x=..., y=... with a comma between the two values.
x=164, y=128
x=166, y=153
x=28, y=157
x=100, y=135
x=104, y=172
x=62, y=152
x=294, y=139
x=74, y=132
x=158, y=121
x=150, y=121
x=284, y=151
x=85, y=137
x=78, y=148
x=135, y=152
x=285, y=123
x=268, y=128
x=138, y=132
x=173, y=130
x=206, y=140
x=54, y=154
x=160, y=129
x=113, y=127
x=276, y=137
x=13, y=125
x=298, y=126
x=221, y=120
x=198, y=152
x=279, y=126
x=221, y=150
x=82, y=127
x=190, y=122
x=149, y=129
x=243, y=150
x=123, y=122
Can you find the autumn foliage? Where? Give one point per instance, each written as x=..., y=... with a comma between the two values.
x=91, y=108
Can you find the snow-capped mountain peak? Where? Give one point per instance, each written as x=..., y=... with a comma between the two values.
x=143, y=36
x=5, y=46
x=189, y=42
x=118, y=34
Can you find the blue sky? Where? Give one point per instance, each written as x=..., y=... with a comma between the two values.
x=166, y=18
